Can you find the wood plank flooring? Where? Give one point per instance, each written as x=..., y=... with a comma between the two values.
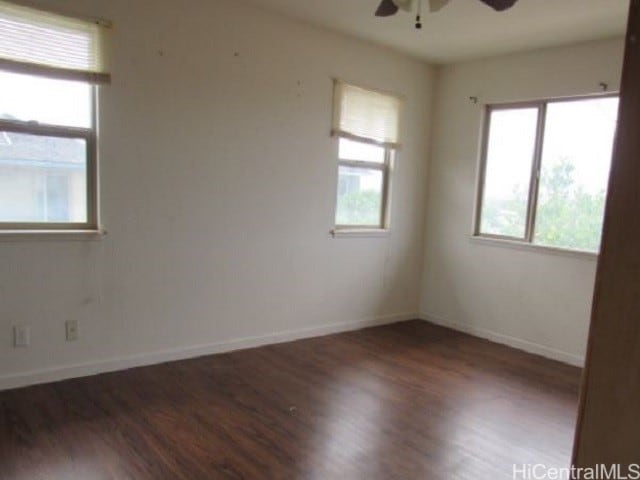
x=404, y=401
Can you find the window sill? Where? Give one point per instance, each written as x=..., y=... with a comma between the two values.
x=514, y=244
x=67, y=235
x=359, y=232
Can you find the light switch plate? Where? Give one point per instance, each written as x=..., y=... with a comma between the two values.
x=21, y=336
x=71, y=328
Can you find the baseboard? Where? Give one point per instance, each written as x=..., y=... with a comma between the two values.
x=514, y=342
x=113, y=364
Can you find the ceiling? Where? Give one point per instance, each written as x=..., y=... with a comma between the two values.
x=465, y=29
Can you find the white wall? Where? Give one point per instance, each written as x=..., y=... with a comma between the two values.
x=535, y=300
x=218, y=185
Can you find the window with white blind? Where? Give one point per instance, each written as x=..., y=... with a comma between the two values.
x=366, y=125
x=50, y=66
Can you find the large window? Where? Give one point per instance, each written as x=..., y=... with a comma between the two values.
x=49, y=66
x=544, y=172
x=366, y=127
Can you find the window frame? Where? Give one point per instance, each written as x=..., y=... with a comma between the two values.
x=89, y=135
x=536, y=166
x=385, y=168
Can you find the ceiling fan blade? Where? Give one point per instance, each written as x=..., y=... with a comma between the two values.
x=500, y=5
x=436, y=5
x=406, y=5
x=386, y=9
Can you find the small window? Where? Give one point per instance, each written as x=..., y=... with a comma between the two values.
x=366, y=127
x=363, y=173
x=545, y=170
x=49, y=66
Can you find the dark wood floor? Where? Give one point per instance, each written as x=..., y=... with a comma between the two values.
x=409, y=400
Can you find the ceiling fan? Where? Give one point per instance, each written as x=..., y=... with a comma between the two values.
x=391, y=7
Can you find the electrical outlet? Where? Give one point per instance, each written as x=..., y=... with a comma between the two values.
x=71, y=327
x=21, y=336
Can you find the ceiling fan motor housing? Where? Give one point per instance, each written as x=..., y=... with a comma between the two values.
x=388, y=8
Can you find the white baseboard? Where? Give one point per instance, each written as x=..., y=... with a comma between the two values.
x=514, y=342
x=63, y=372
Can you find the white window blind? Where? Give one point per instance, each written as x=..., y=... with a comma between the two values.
x=366, y=115
x=33, y=41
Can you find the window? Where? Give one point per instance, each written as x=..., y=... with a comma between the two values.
x=366, y=126
x=545, y=170
x=49, y=66
x=363, y=173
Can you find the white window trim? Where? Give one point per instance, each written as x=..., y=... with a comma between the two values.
x=534, y=247
x=361, y=233
x=527, y=241
x=31, y=235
